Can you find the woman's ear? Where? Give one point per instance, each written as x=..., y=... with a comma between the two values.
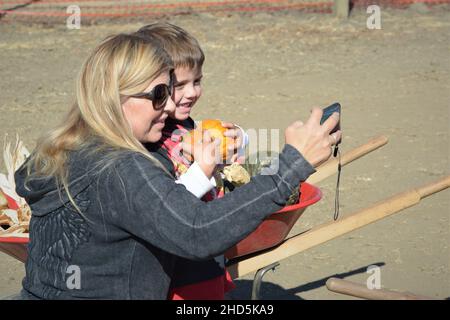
x=124, y=105
x=123, y=99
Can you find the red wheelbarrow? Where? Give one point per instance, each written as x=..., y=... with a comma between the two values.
x=267, y=237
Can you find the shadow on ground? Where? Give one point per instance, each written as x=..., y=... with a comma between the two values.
x=271, y=291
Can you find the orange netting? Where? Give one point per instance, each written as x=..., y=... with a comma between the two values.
x=395, y=3
x=32, y=9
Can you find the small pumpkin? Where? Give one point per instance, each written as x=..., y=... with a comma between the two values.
x=216, y=131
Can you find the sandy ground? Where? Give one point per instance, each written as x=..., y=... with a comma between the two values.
x=265, y=70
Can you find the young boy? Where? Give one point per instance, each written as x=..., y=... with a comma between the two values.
x=192, y=279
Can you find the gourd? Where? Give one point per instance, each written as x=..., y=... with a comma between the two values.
x=216, y=131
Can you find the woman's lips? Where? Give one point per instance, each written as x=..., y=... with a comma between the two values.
x=161, y=121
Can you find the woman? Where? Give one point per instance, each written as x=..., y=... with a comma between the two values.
x=89, y=182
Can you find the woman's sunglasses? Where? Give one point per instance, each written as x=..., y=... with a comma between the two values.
x=158, y=95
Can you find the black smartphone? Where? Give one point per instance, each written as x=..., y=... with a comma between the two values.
x=328, y=111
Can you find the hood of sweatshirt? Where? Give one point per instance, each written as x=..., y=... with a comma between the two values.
x=44, y=195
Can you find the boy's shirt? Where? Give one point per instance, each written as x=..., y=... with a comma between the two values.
x=172, y=134
x=171, y=142
x=192, y=280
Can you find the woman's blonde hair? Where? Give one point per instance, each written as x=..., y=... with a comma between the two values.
x=120, y=66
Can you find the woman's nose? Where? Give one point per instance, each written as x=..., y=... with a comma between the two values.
x=170, y=105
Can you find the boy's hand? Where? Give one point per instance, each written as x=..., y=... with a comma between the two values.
x=205, y=152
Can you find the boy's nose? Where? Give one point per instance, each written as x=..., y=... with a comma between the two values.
x=190, y=92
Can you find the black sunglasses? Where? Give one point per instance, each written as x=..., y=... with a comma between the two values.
x=158, y=95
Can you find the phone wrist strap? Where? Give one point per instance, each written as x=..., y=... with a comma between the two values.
x=336, y=200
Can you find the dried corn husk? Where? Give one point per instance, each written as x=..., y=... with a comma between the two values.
x=17, y=220
x=12, y=215
x=3, y=201
x=3, y=216
x=24, y=214
x=14, y=156
x=16, y=231
x=5, y=222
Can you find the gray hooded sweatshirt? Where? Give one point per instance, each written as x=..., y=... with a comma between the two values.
x=135, y=222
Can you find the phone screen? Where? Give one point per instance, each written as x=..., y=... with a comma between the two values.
x=328, y=111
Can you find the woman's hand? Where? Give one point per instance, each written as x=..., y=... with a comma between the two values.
x=235, y=133
x=204, y=152
x=313, y=140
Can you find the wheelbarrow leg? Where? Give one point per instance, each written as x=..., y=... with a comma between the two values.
x=258, y=279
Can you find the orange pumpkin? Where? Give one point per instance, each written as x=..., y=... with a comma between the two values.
x=216, y=130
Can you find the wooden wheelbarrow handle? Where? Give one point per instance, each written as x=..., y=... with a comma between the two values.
x=361, y=291
x=331, y=230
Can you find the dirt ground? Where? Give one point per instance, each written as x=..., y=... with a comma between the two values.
x=265, y=70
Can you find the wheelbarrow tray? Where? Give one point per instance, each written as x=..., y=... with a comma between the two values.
x=16, y=247
x=277, y=226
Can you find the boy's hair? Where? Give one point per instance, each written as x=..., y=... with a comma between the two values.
x=183, y=48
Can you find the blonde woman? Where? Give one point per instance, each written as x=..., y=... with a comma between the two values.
x=108, y=221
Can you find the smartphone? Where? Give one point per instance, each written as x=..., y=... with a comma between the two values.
x=328, y=111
